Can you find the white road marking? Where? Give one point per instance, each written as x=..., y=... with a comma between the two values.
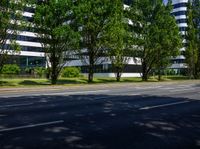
x=149, y=87
x=164, y=105
x=167, y=88
x=16, y=105
x=186, y=85
x=179, y=90
x=58, y=93
x=135, y=94
x=101, y=98
x=81, y=92
x=31, y=126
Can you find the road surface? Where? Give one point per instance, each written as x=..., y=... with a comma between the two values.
x=125, y=116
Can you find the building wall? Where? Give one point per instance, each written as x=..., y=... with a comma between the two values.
x=180, y=12
x=31, y=54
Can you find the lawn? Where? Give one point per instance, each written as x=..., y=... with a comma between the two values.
x=20, y=82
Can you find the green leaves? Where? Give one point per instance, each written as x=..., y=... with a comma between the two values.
x=54, y=28
x=192, y=36
x=90, y=18
x=10, y=23
x=157, y=35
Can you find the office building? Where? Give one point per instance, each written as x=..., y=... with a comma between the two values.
x=180, y=13
x=31, y=54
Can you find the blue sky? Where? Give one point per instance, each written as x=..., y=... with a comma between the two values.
x=165, y=1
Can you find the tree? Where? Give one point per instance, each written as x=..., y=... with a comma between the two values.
x=166, y=37
x=91, y=19
x=117, y=39
x=196, y=21
x=191, y=53
x=141, y=15
x=10, y=23
x=52, y=19
x=156, y=34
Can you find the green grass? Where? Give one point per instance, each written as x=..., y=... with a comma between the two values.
x=22, y=82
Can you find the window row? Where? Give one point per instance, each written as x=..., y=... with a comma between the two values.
x=24, y=48
x=180, y=5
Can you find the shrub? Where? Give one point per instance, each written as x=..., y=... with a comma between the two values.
x=40, y=71
x=10, y=69
x=70, y=72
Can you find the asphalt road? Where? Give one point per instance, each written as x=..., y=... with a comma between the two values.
x=125, y=116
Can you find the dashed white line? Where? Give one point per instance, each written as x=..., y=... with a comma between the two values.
x=81, y=92
x=58, y=93
x=16, y=105
x=163, y=105
x=31, y=126
x=179, y=90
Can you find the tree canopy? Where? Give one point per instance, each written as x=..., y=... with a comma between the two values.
x=157, y=37
x=53, y=27
x=10, y=24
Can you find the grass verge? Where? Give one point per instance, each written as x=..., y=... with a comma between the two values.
x=23, y=82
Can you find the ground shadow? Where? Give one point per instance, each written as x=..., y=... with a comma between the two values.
x=6, y=83
x=72, y=81
x=101, y=122
x=31, y=82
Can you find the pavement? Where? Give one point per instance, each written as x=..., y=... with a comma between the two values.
x=106, y=116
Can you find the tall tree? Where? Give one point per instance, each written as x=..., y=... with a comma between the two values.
x=53, y=27
x=10, y=24
x=91, y=18
x=117, y=39
x=196, y=19
x=141, y=15
x=166, y=37
x=157, y=37
x=191, y=53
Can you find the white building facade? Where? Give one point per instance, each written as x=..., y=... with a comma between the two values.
x=180, y=13
x=31, y=54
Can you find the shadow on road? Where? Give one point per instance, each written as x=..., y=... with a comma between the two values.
x=101, y=122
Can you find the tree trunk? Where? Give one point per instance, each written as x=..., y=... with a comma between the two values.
x=159, y=74
x=54, y=72
x=90, y=75
x=54, y=79
x=91, y=69
x=118, y=77
x=54, y=76
x=159, y=64
x=144, y=71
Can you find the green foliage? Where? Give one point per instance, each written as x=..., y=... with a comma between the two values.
x=7, y=13
x=56, y=33
x=71, y=72
x=165, y=34
x=192, y=37
x=40, y=71
x=10, y=69
x=155, y=34
x=91, y=17
x=117, y=38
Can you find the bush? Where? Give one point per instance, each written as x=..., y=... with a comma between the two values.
x=10, y=69
x=70, y=72
x=40, y=71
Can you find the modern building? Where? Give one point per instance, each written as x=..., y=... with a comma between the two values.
x=180, y=13
x=31, y=54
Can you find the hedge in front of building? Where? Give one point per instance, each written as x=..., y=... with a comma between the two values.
x=10, y=69
x=71, y=72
